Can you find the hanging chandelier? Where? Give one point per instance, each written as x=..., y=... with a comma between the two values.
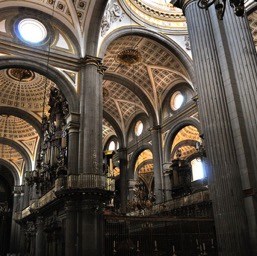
x=220, y=6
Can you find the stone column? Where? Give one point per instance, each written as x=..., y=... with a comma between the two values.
x=239, y=59
x=223, y=170
x=26, y=196
x=73, y=142
x=71, y=233
x=123, y=178
x=91, y=108
x=15, y=229
x=40, y=238
x=22, y=247
x=159, y=189
x=91, y=224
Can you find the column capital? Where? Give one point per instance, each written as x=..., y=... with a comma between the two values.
x=155, y=128
x=182, y=4
x=73, y=120
x=95, y=61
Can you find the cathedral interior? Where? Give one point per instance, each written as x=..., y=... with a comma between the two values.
x=128, y=127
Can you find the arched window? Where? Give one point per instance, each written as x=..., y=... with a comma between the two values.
x=197, y=169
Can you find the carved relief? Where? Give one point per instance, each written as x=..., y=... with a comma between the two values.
x=187, y=42
x=112, y=14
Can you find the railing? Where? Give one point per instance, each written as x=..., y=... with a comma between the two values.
x=81, y=181
x=159, y=236
x=193, y=199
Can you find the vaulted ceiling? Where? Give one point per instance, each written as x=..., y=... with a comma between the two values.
x=127, y=89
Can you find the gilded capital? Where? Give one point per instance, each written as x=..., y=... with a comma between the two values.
x=91, y=60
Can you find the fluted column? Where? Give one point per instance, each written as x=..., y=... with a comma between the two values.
x=159, y=189
x=223, y=170
x=123, y=178
x=242, y=63
x=90, y=155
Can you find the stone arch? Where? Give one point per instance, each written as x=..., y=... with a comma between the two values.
x=134, y=157
x=49, y=71
x=162, y=40
x=6, y=110
x=95, y=26
x=116, y=128
x=13, y=171
x=173, y=132
x=21, y=150
x=141, y=95
x=181, y=144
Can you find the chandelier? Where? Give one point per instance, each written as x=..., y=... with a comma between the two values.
x=220, y=6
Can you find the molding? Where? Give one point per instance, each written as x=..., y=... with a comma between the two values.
x=97, y=62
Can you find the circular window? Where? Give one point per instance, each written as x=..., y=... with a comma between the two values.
x=139, y=128
x=176, y=100
x=32, y=31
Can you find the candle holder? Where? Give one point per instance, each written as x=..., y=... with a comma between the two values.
x=212, y=244
x=173, y=250
x=197, y=244
x=114, y=248
x=200, y=250
x=137, y=250
x=204, y=250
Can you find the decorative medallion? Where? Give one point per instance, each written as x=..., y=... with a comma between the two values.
x=129, y=56
x=20, y=74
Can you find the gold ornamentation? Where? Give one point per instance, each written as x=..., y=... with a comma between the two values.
x=20, y=74
x=129, y=56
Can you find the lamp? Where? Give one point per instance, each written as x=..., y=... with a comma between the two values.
x=220, y=6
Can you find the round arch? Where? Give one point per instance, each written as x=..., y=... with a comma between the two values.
x=134, y=157
x=21, y=150
x=181, y=144
x=13, y=171
x=168, y=43
x=116, y=128
x=49, y=71
x=141, y=95
x=173, y=132
x=12, y=111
